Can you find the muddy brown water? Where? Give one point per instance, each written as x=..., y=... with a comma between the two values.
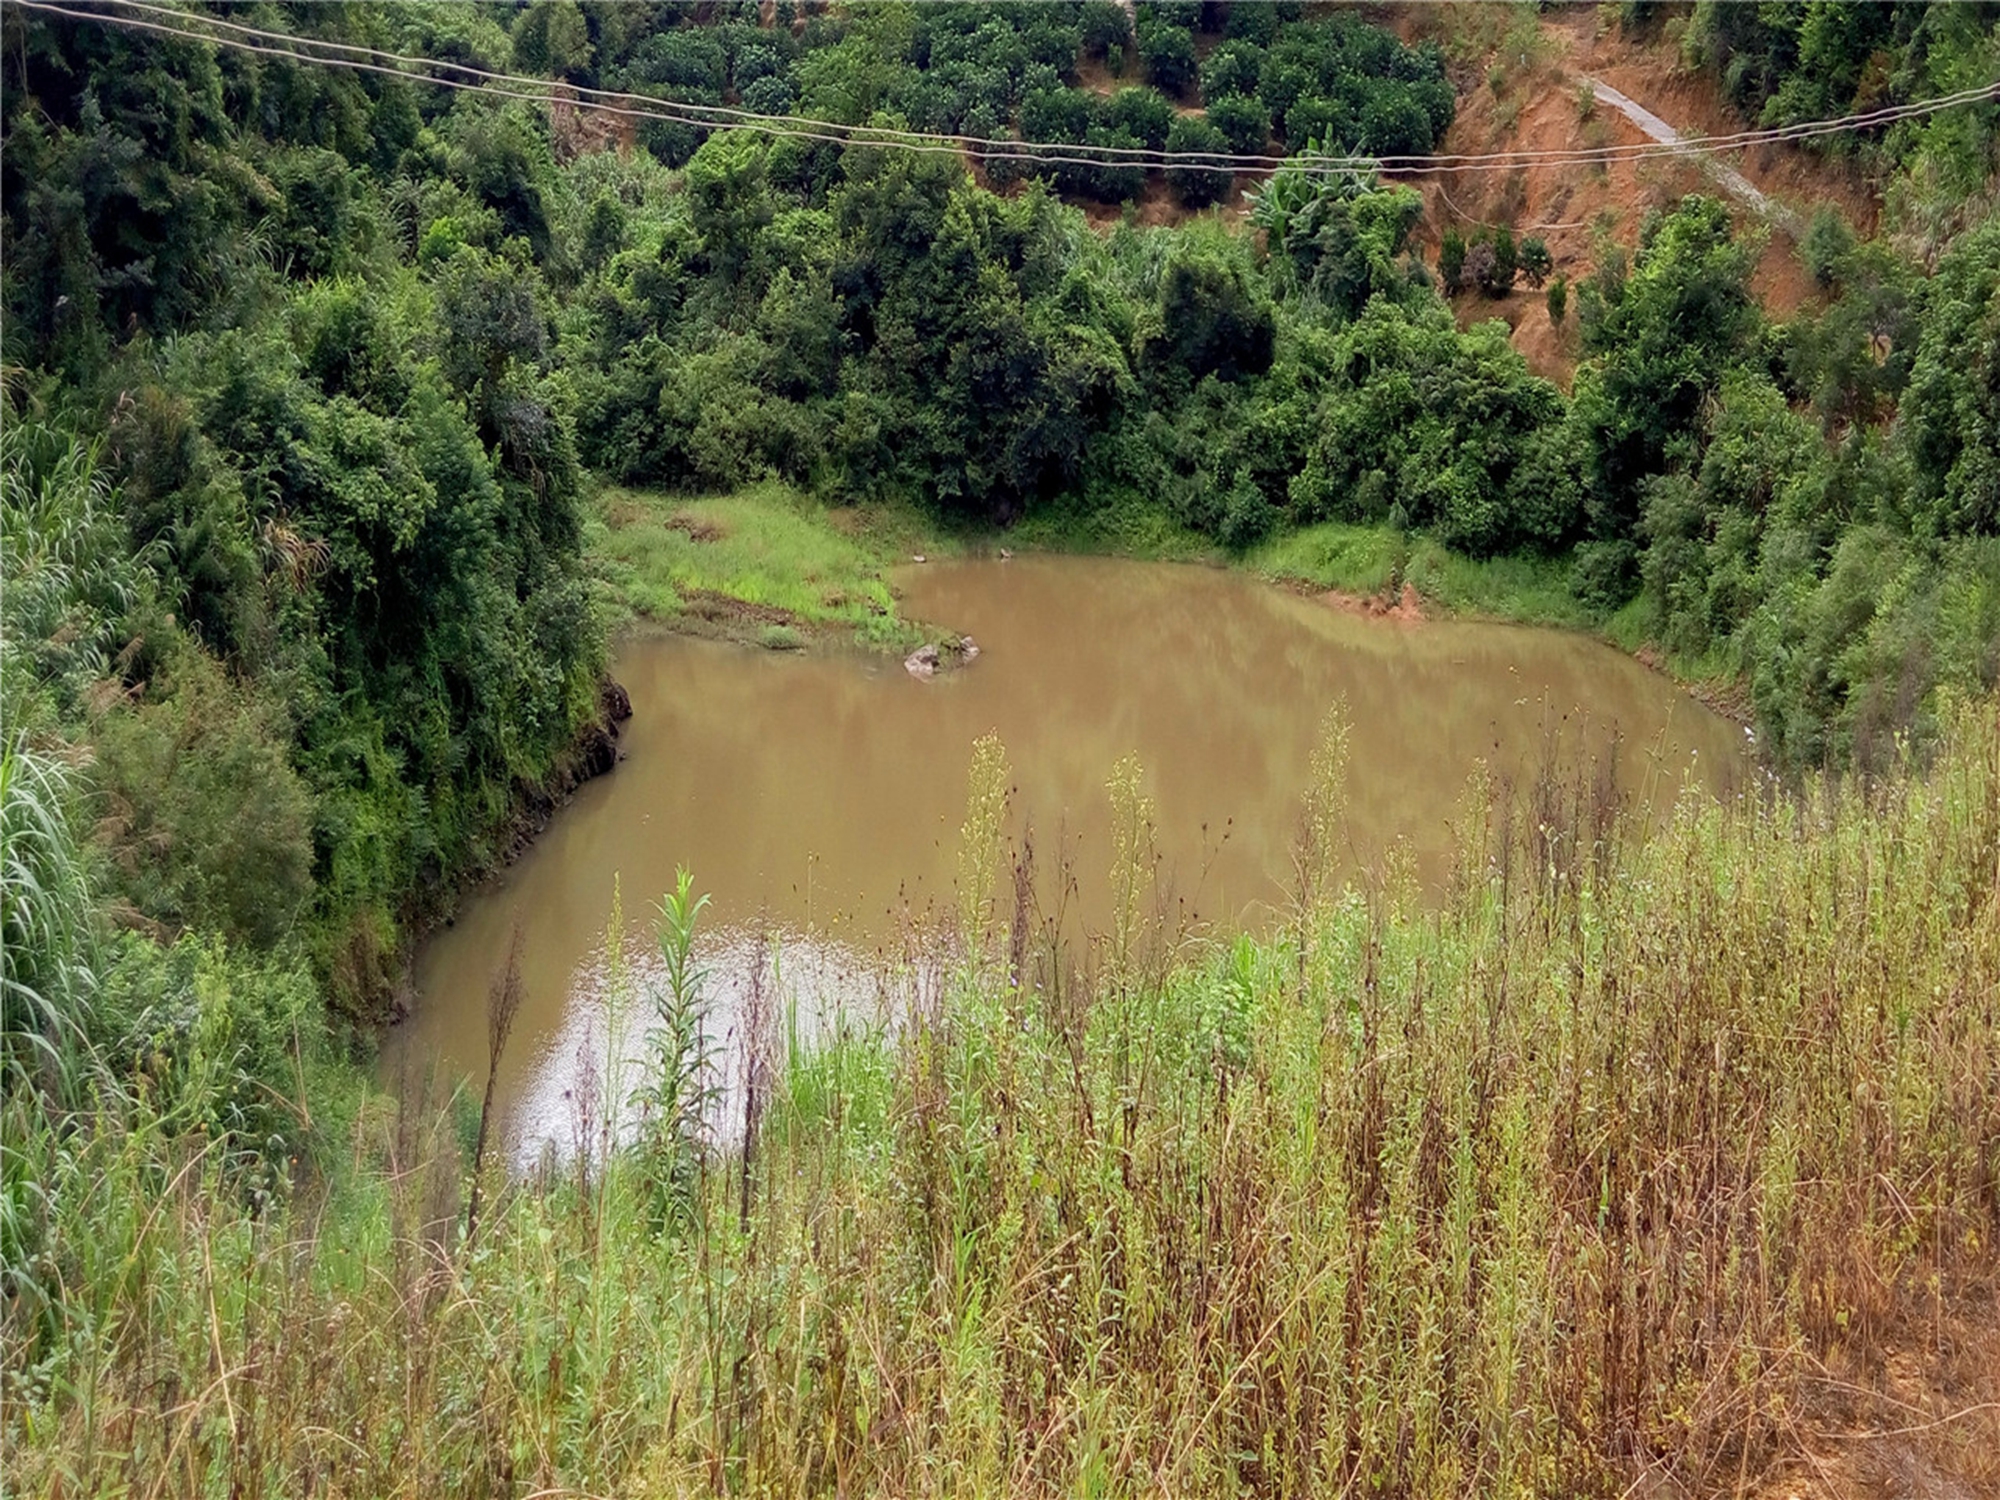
x=817, y=797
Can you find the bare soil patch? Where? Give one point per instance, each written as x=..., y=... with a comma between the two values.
x=1405, y=608
x=1091, y=74
x=1908, y=1410
x=1516, y=98
x=694, y=528
x=725, y=609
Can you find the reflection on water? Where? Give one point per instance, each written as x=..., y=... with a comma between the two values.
x=818, y=797
x=766, y=995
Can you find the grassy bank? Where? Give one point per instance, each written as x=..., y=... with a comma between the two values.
x=1664, y=1165
x=1372, y=565
x=1377, y=561
x=771, y=567
x=1128, y=527
x=767, y=566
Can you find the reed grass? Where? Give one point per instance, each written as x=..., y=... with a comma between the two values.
x=1569, y=1181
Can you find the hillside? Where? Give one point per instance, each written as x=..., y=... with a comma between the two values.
x=1529, y=84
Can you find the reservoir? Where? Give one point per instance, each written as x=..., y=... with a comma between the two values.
x=817, y=796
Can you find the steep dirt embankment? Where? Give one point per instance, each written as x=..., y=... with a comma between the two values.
x=1535, y=88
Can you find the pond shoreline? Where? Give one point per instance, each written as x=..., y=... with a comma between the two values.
x=772, y=568
x=593, y=752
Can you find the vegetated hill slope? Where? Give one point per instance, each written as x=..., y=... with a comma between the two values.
x=1526, y=84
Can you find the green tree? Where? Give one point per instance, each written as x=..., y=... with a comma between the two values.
x=1451, y=261
x=1103, y=26
x=1949, y=418
x=1827, y=244
x=1536, y=263
x=1334, y=241
x=503, y=158
x=552, y=38
x=730, y=204
x=1212, y=320
x=1198, y=186
x=1442, y=430
x=1661, y=340
x=1146, y=113
x=1244, y=122
x=1232, y=68
x=1495, y=272
x=1168, y=53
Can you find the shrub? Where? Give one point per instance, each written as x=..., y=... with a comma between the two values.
x=1394, y=122
x=210, y=826
x=1168, y=53
x=1827, y=243
x=1605, y=574
x=1451, y=261
x=1247, y=516
x=1214, y=320
x=1495, y=274
x=1258, y=23
x=1244, y=123
x=1232, y=68
x=769, y=96
x=1316, y=122
x=1482, y=268
x=1196, y=186
x=1536, y=263
x=1102, y=27
x=1146, y=113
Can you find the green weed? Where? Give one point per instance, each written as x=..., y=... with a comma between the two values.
x=1584, y=1176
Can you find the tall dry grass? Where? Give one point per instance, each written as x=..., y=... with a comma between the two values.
x=1571, y=1183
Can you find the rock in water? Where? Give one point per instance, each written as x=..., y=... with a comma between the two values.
x=968, y=648
x=599, y=753
x=922, y=662
x=615, y=703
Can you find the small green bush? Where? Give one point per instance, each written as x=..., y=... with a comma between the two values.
x=210, y=826
x=1451, y=261
x=1196, y=186
x=1168, y=54
x=1244, y=122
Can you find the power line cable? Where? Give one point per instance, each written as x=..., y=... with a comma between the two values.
x=664, y=110
x=619, y=103
x=723, y=117
x=1887, y=114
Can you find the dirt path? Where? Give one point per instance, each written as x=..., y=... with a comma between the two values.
x=1739, y=185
